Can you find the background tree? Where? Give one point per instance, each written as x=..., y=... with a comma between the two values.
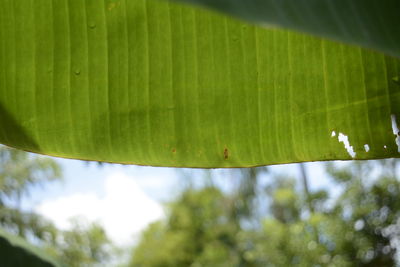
x=356, y=226
x=82, y=245
x=20, y=172
x=203, y=228
x=85, y=244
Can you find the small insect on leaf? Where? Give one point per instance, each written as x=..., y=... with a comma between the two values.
x=226, y=153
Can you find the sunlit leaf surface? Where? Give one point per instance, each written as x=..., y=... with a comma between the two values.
x=155, y=83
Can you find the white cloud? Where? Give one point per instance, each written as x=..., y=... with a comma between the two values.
x=124, y=210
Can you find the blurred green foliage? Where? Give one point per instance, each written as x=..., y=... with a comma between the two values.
x=19, y=173
x=83, y=245
x=282, y=222
x=264, y=219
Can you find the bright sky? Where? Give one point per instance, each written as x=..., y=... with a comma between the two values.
x=125, y=199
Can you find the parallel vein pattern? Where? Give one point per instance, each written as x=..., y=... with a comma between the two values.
x=156, y=83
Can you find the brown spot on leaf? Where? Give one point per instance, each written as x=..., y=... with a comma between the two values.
x=173, y=150
x=226, y=153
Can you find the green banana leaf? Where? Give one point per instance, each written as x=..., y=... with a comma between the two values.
x=16, y=252
x=163, y=84
x=369, y=23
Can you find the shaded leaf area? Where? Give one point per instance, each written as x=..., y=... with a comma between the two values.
x=156, y=83
x=273, y=220
x=367, y=23
x=14, y=251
